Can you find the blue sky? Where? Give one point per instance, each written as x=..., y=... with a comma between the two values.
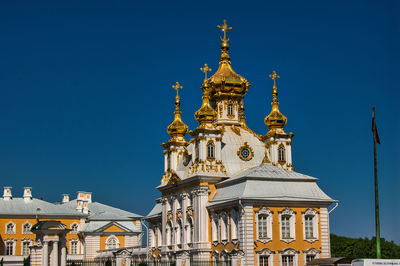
x=85, y=93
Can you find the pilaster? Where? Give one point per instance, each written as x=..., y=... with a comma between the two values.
x=246, y=234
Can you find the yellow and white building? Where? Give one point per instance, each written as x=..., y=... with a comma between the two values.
x=230, y=194
x=94, y=229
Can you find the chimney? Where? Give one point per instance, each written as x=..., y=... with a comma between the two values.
x=27, y=194
x=79, y=205
x=65, y=198
x=79, y=200
x=7, y=193
x=85, y=208
x=88, y=197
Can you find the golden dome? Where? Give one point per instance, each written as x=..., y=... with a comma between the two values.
x=206, y=114
x=177, y=129
x=225, y=80
x=275, y=120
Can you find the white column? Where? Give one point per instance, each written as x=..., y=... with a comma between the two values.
x=325, y=239
x=63, y=253
x=201, y=217
x=55, y=253
x=246, y=233
x=45, y=255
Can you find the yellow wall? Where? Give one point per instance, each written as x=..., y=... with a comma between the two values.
x=19, y=236
x=276, y=244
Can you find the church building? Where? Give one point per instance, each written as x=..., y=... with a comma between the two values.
x=230, y=194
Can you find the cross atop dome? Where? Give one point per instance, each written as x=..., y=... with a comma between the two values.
x=224, y=28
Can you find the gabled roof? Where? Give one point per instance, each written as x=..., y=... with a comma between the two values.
x=102, y=212
x=269, y=183
x=100, y=226
x=18, y=206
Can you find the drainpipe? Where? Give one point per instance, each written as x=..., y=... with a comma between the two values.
x=245, y=232
x=147, y=240
x=336, y=204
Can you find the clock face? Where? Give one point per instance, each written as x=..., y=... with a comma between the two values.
x=245, y=152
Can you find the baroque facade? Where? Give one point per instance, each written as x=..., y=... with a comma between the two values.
x=92, y=229
x=229, y=194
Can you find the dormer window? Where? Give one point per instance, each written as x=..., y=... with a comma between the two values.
x=210, y=150
x=281, y=154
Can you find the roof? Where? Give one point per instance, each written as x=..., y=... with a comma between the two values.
x=156, y=211
x=268, y=182
x=94, y=226
x=46, y=225
x=18, y=206
x=102, y=212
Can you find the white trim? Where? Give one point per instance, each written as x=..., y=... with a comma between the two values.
x=292, y=224
x=268, y=213
x=30, y=227
x=224, y=227
x=310, y=251
x=25, y=240
x=315, y=224
x=77, y=228
x=109, y=239
x=289, y=251
x=9, y=240
x=14, y=228
x=265, y=252
x=74, y=240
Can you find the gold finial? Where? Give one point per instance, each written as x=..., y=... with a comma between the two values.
x=205, y=69
x=177, y=87
x=274, y=77
x=275, y=120
x=224, y=28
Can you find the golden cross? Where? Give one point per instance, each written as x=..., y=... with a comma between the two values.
x=274, y=76
x=177, y=87
x=205, y=69
x=224, y=27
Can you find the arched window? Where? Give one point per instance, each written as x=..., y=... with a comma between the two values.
x=73, y=247
x=74, y=228
x=112, y=242
x=281, y=154
x=215, y=228
x=179, y=233
x=169, y=233
x=210, y=150
x=264, y=224
x=26, y=228
x=224, y=227
x=25, y=247
x=10, y=228
x=234, y=221
x=309, y=226
x=230, y=109
x=10, y=247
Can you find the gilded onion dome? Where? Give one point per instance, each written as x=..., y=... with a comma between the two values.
x=177, y=129
x=275, y=120
x=206, y=114
x=225, y=80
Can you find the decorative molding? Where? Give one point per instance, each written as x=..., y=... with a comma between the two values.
x=245, y=152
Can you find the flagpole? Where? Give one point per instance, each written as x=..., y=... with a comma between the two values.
x=377, y=227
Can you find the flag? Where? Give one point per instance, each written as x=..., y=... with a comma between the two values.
x=374, y=129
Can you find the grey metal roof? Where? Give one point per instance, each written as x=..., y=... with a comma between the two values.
x=156, y=211
x=271, y=183
x=94, y=226
x=102, y=212
x=18, y=206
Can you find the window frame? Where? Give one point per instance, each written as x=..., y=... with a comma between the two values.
x=210, y=150
x=263, y=253
x=281, y=154
x=287, y=212
x=310, y=212
x=311, y=251
x=74, y=246
x=264, y=211
x=72, y=226
x=25, y=241
x=13, y=231
x=23, y=228
x=286, y=253
x=112, y=238
x=6, y=249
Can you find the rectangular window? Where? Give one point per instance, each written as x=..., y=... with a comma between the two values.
x=285, y=223
x=309, y=226
x=25, y=248
x=263, y=261
x=310, y=257
x=74, y=248
x=262, y=227
x=9, y=248
x=287, y=260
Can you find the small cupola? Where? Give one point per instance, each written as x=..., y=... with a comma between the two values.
x=275, y=121
x=27, y=194
x=177, y=129
x=206, y=114
x=7, y=194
